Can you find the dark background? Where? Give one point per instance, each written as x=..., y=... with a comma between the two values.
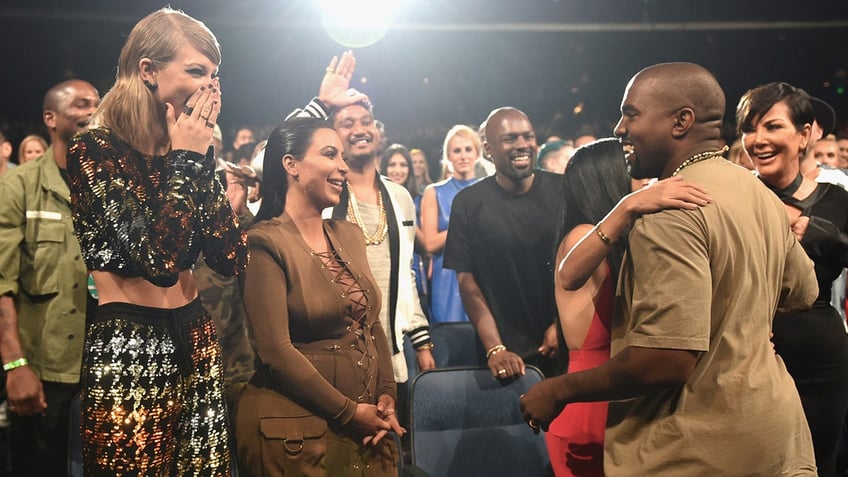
x=443, y=61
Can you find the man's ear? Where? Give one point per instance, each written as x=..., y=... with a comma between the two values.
x=6, y=149
x=147, y=70
x=49, y=118
x=684, y=119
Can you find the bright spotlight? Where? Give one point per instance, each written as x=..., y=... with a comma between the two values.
x=357, y=23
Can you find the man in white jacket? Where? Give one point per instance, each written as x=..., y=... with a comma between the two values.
x=382, y=209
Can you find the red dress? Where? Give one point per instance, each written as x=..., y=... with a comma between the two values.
x=575, y=438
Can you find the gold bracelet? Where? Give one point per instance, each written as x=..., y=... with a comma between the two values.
x=604, y=237
x=428, y=345
x=495, y=350
x=18, y=363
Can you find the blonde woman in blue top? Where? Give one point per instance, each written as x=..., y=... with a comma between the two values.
x=461, y=149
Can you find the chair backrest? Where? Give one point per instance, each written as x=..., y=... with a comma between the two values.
x=456, y=345
x=466, y=422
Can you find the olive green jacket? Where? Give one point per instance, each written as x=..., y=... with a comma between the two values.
x=41, y=267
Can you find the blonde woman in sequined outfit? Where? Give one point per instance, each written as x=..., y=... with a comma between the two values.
x=146, y=203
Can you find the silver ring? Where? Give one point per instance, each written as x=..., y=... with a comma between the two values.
x=501, y=372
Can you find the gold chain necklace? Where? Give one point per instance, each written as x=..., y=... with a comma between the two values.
x=382, y=223
x=698, y=158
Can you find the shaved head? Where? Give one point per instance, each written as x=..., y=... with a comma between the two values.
x=56, y=96
x=68, y=107
x=682, y=85
x=498, y=114
x=669, y=113
x=511, y=143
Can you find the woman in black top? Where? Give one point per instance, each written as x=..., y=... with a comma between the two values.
x=146, y=202
x=775, y=122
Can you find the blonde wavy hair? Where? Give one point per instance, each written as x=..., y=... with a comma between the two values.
x=129, y=107
x=463, y=131
x=27, y=140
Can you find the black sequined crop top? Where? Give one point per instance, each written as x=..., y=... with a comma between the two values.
x=150, y=217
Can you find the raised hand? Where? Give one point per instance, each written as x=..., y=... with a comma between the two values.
x=335, y=89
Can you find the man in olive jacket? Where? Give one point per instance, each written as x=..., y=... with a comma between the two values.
x=43, y=288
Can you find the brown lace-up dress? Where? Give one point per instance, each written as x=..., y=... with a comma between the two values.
x=314, y=317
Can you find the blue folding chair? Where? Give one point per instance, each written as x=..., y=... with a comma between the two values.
x=466, y=422
x=456, y=345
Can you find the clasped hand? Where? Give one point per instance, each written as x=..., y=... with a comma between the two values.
x=374, y=422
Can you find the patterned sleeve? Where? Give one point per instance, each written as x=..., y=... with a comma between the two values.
x=314, y=109
x=115, y=212
x=224, y=242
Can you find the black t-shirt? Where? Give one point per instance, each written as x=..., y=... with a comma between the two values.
x=508, y=243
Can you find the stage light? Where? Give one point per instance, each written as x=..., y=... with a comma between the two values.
x=357, y=23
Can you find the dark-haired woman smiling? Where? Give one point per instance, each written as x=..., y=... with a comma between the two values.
x=599, y=211
x=775, y=122
x=323, y=398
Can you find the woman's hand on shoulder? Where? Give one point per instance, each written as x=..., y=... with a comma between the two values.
x=671, y=193
x=192, y=129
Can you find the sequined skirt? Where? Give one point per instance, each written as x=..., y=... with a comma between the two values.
x=152, y=393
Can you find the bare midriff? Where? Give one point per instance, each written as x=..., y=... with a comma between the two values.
x=112, y=287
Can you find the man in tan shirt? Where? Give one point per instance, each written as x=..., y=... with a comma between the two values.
x=694, y=383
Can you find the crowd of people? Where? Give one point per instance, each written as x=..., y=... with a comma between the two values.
x=246, y=307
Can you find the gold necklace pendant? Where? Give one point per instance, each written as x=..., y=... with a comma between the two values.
x=382, y=230
x=701, y=156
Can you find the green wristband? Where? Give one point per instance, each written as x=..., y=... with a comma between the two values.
x=15, y=364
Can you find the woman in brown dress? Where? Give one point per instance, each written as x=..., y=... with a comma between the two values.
x=323, y=398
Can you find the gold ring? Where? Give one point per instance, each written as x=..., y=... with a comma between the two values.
x=534, y=425
x=501, y=371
